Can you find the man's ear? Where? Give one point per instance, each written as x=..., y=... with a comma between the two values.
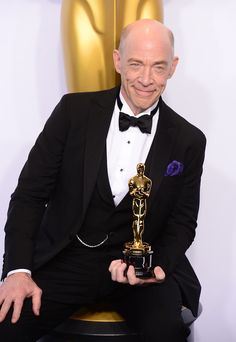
x=116, y=60
x=173, y=66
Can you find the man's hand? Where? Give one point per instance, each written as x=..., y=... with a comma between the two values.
x=118, y=267
x=14, y=290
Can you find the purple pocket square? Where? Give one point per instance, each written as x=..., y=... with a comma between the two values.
x=175, y=168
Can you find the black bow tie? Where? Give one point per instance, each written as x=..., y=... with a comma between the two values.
x=144, y=122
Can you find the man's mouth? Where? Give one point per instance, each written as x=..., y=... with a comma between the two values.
x=144, y=93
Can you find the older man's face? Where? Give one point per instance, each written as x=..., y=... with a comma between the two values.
x=145, y=64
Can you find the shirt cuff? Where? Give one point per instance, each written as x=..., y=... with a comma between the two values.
x=19, y=270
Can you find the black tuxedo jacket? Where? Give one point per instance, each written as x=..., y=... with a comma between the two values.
x=55, y=186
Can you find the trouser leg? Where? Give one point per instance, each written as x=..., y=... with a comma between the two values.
x=154, y=311
x=67, y=281
x=29, y=328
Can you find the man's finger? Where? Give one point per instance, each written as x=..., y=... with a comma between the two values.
x=159, y=274
x=4, y=309
x=113, y=264
x=117, y=268
x=17, y=307
x=120, y=277
x=132, y=279
x=36, y=301
x=113, y=270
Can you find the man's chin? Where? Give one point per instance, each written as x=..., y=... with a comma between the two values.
x=144, y=103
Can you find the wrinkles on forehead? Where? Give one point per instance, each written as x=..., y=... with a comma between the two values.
x=146, y=28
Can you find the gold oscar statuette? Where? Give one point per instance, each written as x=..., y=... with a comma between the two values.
x=137, y=252
x=91, y=31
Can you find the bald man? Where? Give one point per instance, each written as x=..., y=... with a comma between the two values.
x=71, y=213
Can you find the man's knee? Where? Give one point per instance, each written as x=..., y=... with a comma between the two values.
x=14, y=332
x=24, y=330
x=166, y=330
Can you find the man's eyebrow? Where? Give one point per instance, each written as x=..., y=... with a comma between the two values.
x=133, y=59
x=161, y=62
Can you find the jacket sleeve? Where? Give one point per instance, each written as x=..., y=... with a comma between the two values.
x=179, y=230
x=35, y=186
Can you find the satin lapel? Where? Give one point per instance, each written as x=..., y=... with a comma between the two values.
x=98, y=124
x=161, y=148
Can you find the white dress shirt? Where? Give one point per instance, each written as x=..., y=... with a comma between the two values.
x=126, y=149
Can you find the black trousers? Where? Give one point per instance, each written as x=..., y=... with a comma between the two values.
x=79, y=276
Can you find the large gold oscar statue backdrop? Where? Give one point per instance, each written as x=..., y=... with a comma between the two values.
x=91, y=30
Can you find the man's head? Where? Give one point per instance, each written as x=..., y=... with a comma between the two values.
x=145, y=60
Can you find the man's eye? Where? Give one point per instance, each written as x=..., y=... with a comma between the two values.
x=160, y=68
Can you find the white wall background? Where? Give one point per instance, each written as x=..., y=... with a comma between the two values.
x=203, y=90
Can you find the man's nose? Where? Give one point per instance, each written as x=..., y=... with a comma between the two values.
x=146, y=76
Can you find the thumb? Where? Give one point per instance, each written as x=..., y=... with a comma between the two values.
x=159, y=273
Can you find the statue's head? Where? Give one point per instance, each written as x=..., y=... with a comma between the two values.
x=140, y=169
